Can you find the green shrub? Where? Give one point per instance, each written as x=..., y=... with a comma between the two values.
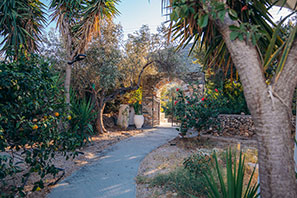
x=201, y=113
x=197, y=112
x=197, y=163
x=33, y=123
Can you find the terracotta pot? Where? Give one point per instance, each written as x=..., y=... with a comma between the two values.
x=138, y=121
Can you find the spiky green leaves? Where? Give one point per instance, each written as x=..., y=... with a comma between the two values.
x=231, y=184
x=21, y=24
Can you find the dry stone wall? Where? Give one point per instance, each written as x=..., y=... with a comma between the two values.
x=232, y=125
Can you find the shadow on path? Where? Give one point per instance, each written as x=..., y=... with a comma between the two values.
x=112, y=176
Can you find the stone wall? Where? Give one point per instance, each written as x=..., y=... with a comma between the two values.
x=242, y=125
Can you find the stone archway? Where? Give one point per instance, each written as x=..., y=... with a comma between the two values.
x=151, y=96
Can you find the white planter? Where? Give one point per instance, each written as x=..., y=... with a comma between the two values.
x=138, y=121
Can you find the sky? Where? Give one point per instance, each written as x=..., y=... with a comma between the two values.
x=134, y=14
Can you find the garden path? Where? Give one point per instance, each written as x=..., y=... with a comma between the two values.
x=112, y=175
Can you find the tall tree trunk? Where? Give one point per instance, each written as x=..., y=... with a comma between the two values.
x=275, y=151
x=67, y=84
x=99, y=121
x=270, y=113
x=69, y=47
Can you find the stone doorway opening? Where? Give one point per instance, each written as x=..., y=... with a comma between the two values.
x=153, y=90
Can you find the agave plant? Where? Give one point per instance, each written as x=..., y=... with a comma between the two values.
x=235, y=173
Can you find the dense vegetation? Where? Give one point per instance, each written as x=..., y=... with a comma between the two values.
x=34, y=125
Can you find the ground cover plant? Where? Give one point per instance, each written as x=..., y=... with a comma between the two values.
x=222, y=173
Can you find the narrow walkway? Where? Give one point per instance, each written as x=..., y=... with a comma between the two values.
x=112, y=176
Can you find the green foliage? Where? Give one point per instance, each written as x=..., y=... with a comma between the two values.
x=201, y=113
x=81, y=124
x=181, y=180
x=196, y=112
x=233, y=99
x=138, y=108
x=233, y=188
x=197, y=163
x=201, y=175
x=198, y=21
x=21, y=24
x=33, y=126
x=133, y=96
x=100, y=73
x=246, y=32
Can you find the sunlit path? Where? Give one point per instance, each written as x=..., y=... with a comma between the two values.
x=113, y=174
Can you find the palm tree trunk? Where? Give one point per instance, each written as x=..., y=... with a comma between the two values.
x=270, y=114
x=275, y=151
x=69, y=48
x=67, y=84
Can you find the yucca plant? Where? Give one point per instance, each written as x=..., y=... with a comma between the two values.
x=83, y=115
x=233, y=188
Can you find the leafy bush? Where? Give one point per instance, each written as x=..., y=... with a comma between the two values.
x=234, y=98
x=33, y=123
x=196, y=112
x=201, y=113
x=197, y=163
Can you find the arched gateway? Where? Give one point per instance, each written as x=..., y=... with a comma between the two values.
x=151, y=94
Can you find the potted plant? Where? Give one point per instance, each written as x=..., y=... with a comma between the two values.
x=138, y=117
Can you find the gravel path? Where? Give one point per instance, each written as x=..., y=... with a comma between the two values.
x=112, y=175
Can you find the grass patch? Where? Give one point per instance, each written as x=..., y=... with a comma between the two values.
x=191, y=181
x=181, y=180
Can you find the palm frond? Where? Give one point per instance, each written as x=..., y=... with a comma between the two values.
x=21, y=25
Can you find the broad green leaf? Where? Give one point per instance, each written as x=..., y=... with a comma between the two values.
x=233, y=35
x=221, y=15
x=203, y=21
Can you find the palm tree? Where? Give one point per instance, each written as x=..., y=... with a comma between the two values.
x=77, y=21
x=21, y=24
x=242, y=33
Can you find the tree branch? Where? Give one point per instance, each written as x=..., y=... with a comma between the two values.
x=123, y=90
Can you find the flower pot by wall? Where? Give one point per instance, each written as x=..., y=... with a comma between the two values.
x=138, y=121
